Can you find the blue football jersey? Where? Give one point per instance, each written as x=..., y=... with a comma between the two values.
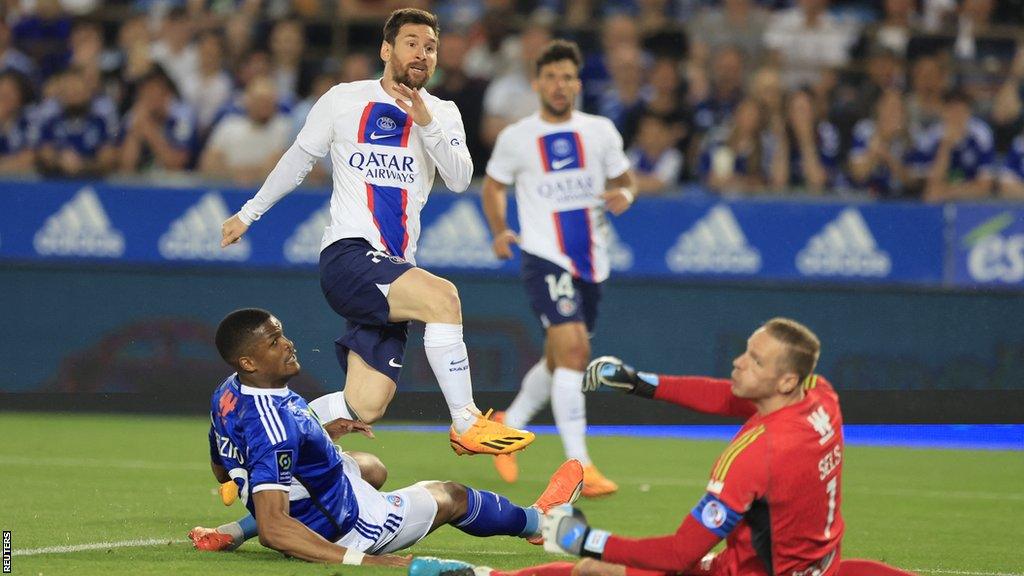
x=1014, y=164
x=85, y=135
x=971, y=157
x=269, y=439
x=17, y=136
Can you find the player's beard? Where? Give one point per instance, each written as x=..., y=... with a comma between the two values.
x=401, y=75
x=556, y=111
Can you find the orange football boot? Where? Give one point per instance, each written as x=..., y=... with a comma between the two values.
x=487, y=436
x=563, y=488
x=595, y=484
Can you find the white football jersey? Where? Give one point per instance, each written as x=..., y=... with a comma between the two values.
x=559, y=172
x=383, y=162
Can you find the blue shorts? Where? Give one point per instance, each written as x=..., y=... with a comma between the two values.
x=351, y=274
x=556, y=296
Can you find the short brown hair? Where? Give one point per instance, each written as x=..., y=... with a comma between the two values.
x=802, y=344
x=558, y=50
x=404, y=16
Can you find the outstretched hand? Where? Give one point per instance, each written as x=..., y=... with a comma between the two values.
x=415, y=106
x=338, y=428
x=614, y=373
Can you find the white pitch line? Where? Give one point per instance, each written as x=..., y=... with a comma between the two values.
x=96, y=546
x=99, y=463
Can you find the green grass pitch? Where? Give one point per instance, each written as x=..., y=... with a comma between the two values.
x=70, y=480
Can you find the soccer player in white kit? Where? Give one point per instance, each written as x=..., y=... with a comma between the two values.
x=568, y=169
x=386, y=137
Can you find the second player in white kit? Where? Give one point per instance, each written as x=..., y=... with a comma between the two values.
x=569, y=170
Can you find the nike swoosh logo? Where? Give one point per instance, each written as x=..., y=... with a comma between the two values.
x=458, y=361
x=375, y=136
x=559, y=164
x=394, y=364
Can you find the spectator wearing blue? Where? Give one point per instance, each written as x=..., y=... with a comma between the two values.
x=812, y=145
x=17, y=136
x=76, y=143
x=654, y=156
x=618, y=31
x=718, y=98
x=881, y=151
x=1011, y=182
x=43, y=36
x=957, y=157
x=13, y=59
x=159, y=130
x=628, y=91
x=738, y=160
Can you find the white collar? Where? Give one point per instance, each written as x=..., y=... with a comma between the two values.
x=251, y=391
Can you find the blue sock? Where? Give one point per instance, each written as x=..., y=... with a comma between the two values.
x=248, y=525
x=490, y=514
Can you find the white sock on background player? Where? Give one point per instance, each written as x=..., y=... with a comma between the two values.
x=446, y=353
x=330, y=407
x=534, y=393
x=570, y=410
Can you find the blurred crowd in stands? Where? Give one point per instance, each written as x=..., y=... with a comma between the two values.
x=892, y=99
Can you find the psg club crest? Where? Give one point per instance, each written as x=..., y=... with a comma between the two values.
x=386, y=124
x=566, y=306
x=395, y=501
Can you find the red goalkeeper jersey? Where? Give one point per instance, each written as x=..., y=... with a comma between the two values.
x=774, y=493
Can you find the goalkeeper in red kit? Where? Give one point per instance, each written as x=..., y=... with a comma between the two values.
x=774, y=494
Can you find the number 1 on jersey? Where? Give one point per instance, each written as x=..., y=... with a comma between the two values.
x=830, y=488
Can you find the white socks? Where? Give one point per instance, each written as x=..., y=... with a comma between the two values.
x=533, y=395
x=446, y=353
x=330, y=407
x=569, y=407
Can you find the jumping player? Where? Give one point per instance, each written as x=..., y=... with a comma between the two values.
x=774, y=494
x=309, y=499
x=568, y=169
x=386, y=138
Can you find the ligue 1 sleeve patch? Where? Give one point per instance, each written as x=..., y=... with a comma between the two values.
x=714, y=515
x=284, y=466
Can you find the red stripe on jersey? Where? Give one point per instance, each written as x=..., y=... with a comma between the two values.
x=405, y=215
x=406, y=130
x=579, y=148
x=561, y=238
x=369, y=204
x=361, y=136
x=544, y=159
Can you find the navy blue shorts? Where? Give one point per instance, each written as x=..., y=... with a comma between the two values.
x=556, y=296
x=351, y=274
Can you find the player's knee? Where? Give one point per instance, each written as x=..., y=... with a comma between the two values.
x=371, y=468
x=445, y=303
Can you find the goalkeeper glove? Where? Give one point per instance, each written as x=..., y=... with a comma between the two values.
x=612, y=372
x=228, y=492
x=565, y=530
